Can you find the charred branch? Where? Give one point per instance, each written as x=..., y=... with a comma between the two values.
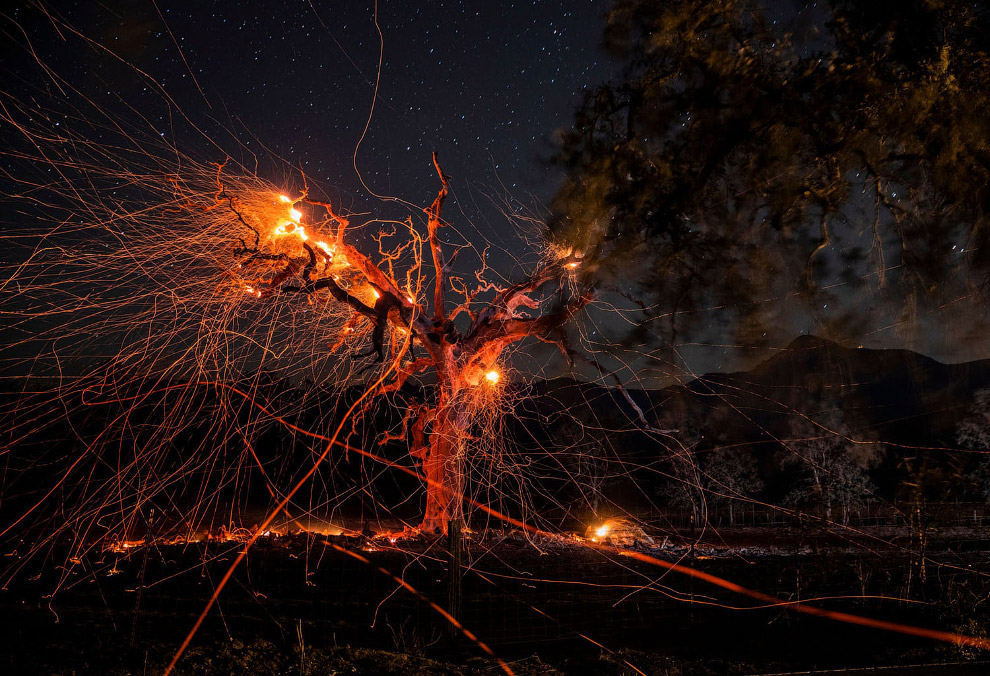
x=222, y=195
x=342, y=221
x=500, y=318
x=335, y=289
x=404, y=373
x=256, y=255
x=433, y=224
x=385, y=302
x=310, y=264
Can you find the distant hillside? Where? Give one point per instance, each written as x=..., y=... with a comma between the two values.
x=906, y=401
x=897, y=396
x=560, y=430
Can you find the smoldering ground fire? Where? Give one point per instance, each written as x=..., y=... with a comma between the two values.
x=266, y=364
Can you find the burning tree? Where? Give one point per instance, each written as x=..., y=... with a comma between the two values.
x=277, y=255
x=153, y=284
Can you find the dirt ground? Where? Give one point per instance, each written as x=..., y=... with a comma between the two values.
x=310, y=605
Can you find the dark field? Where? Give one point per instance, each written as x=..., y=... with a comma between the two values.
x=300, y=606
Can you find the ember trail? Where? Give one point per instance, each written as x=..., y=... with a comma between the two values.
x=674, y=364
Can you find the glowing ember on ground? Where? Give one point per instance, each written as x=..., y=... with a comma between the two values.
x=602, y=530
x=492, y=376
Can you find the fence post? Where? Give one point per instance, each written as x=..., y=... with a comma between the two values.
x=454, y=549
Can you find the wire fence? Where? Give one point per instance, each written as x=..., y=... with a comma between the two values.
x=892, y=515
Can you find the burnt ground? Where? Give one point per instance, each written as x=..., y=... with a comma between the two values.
x=300, y=605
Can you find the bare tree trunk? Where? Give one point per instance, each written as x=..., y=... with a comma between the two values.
x=444, y=465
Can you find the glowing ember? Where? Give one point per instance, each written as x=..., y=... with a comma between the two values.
x=295, y=215
x=602, y=530
x=572, y=265
x=376, y=294
x=290, y=228
x=283, y=198
x=492, y=376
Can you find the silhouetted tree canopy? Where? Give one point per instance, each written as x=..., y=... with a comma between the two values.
x=744, y=154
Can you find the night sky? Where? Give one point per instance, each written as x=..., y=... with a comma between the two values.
x=289, y=87
x=284, y=86
x=484, y=84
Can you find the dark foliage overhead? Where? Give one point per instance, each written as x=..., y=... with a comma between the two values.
x=744, y=154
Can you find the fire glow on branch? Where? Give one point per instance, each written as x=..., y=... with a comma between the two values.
x=278, y=258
